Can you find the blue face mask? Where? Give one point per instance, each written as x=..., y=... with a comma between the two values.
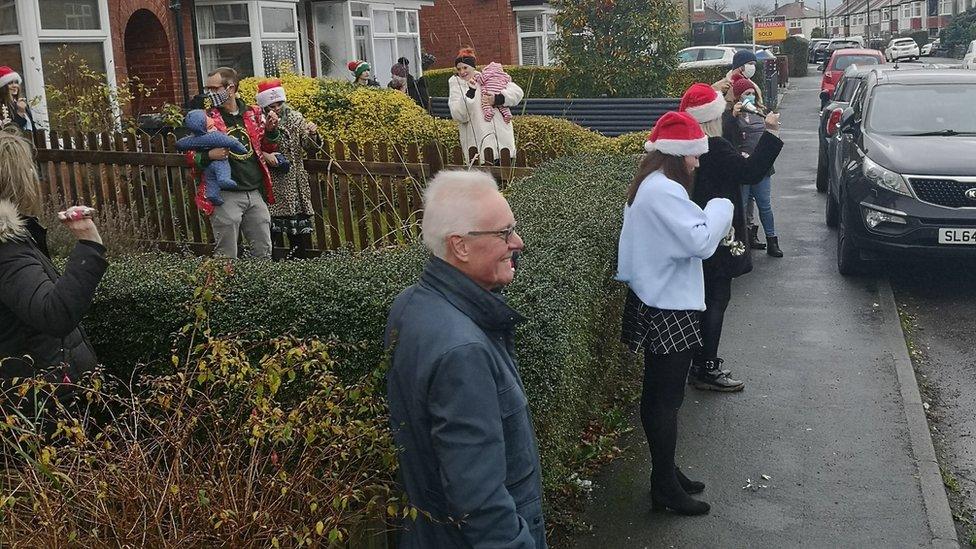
x=749, y=99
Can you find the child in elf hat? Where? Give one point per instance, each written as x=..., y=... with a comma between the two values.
x=206, y=137
x=361, y=72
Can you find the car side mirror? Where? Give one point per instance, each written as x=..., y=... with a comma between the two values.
x=822, y=67
x=848, y=124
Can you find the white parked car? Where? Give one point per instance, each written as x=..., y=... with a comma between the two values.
x=902, y=48
x=927, y=49
x=969, y=61
x=705, y=56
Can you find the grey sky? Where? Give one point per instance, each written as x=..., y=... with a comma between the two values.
x=741, y=5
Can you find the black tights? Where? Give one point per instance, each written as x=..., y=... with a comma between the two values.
x=662, y=395
x=298, y=246
x=718, y=293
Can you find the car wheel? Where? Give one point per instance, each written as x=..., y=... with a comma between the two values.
x=849, y=262
x=830, y=212
x=821, y=174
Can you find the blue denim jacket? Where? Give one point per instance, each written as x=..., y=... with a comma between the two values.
x=468, y=455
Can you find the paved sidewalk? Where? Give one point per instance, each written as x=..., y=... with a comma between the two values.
x=822, y=414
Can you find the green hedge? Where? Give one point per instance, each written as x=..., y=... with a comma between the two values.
x=796, y=49
x=557, y=82
x=569, y=215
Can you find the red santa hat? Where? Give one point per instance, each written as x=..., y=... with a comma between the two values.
x=703, y=102
x=8, y=76
x=677, y=134
x=269, y=92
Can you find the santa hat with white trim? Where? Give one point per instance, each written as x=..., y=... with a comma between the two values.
x=677, y=134
x=270, y=92
x=8, y=76
x=703, y=102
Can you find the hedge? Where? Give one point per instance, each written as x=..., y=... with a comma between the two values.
x=797, y=50
x=569, y=215
x=557, y=82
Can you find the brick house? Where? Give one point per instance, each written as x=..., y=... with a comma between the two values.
x=139, y=38
x=800, y=18
x=882, y=19
x=512, y=32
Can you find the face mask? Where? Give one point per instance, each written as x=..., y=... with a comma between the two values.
x=748, y=71
x=748, y=99
x=216, y=98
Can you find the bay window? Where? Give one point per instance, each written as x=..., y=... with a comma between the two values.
x=255, y=38
x=536, y=32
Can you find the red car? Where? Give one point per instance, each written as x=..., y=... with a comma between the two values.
x=834, y=68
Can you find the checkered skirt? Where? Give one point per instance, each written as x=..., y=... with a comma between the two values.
x=659, y=331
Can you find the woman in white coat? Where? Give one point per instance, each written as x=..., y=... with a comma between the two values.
x=466, y=100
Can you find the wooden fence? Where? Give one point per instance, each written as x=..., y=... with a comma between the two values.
x=363, y=195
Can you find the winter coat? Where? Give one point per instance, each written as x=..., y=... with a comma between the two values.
x=744, y=132
x=254, y=123
x=217, y=173
x=474, y=130
x=459, y=415
x=25, y=123
x=721, y=173
x=291, y=188
x=417, y=90
x=40, y=309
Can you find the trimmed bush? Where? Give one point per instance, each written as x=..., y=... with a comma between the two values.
x=556, y=82
x=569, y=214
x=797, y=50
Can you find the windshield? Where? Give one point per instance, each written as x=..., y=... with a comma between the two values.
x=850, y=86
x=923, y=108
x=844, y=61
x=906, y=42
x=686, y=56
x=842, y=45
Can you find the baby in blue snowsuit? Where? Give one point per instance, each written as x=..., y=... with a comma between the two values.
x=205, y=137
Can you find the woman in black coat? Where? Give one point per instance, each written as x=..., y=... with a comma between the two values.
x=721, y=172
x=40, y=309
x=13, y=99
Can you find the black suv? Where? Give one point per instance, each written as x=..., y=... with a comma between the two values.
x=907, y=179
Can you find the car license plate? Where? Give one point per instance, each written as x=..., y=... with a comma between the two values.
x=957, y=236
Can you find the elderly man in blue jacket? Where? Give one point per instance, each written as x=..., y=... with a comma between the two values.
x=468, y=454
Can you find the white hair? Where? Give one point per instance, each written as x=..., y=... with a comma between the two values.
x=712, y=128
x=451, y=203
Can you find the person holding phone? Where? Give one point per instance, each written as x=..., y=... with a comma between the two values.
x=41, y=309
x=746, y=128
x=13, y=99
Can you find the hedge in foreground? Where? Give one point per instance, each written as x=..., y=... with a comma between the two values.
x=569, y=214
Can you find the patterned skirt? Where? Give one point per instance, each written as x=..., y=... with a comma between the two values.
x=292, y=225
x=659, y=331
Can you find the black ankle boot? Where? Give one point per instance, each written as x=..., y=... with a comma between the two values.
x=773, y=249
x=754, y=242
x=689, y=486
x=711, y=377
x=669, y=495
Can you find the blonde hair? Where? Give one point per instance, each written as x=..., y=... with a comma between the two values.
x=712, y=128
x=451, y=204
x=18, y=177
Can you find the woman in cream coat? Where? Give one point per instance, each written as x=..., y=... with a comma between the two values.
x=466, y=100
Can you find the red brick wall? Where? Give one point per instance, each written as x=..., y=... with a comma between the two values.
x=486, y=25
x=152, y=55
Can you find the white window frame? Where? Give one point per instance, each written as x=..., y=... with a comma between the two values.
x=412, y=15
x=916, y=10
x=875, y=17
x=256, y=35
x=945, y=7
x=906, y=10
x=885, y=16
x=698, y=5
x=30, y=38
x=545, y=33
x=961, y=6
x=796, y=24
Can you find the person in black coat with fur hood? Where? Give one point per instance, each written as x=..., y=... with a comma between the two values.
x=721, y=173
x=40, y=309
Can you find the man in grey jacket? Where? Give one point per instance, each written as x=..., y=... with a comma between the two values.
x=468, y=454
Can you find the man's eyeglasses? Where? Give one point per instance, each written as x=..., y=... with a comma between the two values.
x=504, y=234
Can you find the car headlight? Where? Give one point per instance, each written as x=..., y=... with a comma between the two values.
x=884, y=177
